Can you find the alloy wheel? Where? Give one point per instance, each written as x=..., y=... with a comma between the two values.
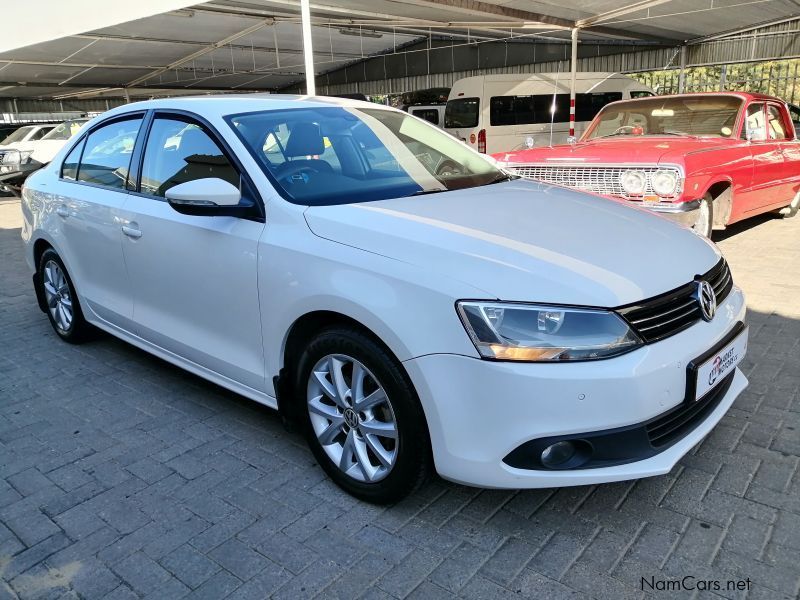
x=57, y=294
x=352, y=417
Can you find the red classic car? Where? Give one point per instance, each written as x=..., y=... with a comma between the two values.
x=707, y=160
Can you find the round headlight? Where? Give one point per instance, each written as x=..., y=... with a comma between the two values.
x=633, y=182
x=665, y=182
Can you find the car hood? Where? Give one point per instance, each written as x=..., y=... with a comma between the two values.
x=615, y=151
x=526, y=241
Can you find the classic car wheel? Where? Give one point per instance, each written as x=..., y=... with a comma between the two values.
x=363, y=420
x=705, y=217
x=793, y=208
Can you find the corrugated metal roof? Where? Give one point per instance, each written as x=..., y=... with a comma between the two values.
x=107, y=61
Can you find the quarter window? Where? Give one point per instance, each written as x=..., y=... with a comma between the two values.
x=177, y=152
x=69, y=168
x=107, y=156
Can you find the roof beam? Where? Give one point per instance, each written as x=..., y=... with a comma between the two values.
x=203, y=51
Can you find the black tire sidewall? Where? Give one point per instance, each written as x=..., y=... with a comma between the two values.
x=413, y=458
x=79, y=328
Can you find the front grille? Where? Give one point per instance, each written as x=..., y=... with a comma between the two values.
x=600, y=180
x=665, y=315
x=675, y=424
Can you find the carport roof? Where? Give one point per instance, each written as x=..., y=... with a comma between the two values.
x=245, y=45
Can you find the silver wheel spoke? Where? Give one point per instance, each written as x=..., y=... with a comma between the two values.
x=316, y=406
x=357, y=383
x=384, y=456
x=375, y=398
x=346, y=460
x=49, y=288
x=327, y=387
x=329, y=434
x=360, y=449
x=335, y=367
x=379, y=428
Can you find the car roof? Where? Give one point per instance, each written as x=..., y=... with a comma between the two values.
x=228, y=104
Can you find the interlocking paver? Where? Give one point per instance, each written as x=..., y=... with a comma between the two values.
x=158, y=484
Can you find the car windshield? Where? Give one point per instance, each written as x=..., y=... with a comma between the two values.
x=707, y=116
x=342, y=155
x=17, y=136
x=65, y=130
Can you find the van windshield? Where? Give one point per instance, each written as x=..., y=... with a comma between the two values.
x=343, y=155
x=708, y=116
x=18, y=135
x=461, y=112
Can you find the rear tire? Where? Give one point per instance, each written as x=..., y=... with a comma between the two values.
x=362, y=418
x=63, y=306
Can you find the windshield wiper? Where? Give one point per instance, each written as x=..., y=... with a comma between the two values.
x=679, y=133
x=433, y=191
x=501, y=178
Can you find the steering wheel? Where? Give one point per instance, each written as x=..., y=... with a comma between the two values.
x=448, y=168
x=625, y=129
x=289, y=169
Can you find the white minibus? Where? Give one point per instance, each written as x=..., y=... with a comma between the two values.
x=499, y=113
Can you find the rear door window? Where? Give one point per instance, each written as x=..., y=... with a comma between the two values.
x=776, y=128
x=107, y=155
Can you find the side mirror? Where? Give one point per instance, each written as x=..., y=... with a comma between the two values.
x=211, y=196
x=572, y=140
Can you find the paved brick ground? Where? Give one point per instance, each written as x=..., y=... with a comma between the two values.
x=123, y=477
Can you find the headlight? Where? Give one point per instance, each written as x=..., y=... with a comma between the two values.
x=665, y=183
x=633, y=182
x=16, y=157
x=534, y=333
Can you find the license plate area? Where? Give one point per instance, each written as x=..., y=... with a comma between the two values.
x=705, y=372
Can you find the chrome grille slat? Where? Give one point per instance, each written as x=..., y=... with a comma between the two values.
x=600, y=180
x=665, y=315
x=691, y=303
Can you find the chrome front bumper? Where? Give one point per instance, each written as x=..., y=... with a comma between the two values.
x=684, y=213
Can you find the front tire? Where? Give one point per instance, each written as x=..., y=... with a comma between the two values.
x=704, y=224
x=792, y=209
x=362, y=417
x=63, y=306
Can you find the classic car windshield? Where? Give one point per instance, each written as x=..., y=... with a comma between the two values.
x=711, y=116
x=340, y=155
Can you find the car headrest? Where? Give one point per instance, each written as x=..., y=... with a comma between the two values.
x=195, y=141
x=305, y=140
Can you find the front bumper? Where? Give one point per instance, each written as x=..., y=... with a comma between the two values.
x=480, y=411
x=685, y=213
x=17, y=174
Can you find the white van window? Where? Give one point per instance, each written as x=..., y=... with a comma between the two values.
x=461, y=112
x=541, y=108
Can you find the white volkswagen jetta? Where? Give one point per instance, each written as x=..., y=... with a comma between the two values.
x=378, y=282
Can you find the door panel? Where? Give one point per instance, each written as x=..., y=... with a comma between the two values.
x=195, y=286
x=90, y=214
x=767, y=162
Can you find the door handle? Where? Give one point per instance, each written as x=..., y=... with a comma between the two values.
x=131, y=232
x=62, y=211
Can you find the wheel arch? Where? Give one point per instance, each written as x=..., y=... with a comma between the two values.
x=721, y=194
x=298, y=335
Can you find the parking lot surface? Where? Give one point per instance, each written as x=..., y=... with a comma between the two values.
x=123, y=477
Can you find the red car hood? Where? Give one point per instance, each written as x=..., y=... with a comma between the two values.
x=640, y=149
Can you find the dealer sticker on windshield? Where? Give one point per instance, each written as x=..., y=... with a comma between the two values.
x=714, y=370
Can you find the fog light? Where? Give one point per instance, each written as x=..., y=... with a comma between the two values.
x=558, y=454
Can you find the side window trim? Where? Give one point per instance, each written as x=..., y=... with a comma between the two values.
x=85, y=136
x=247, y=186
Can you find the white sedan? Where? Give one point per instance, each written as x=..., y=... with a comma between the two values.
x=410, y=305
